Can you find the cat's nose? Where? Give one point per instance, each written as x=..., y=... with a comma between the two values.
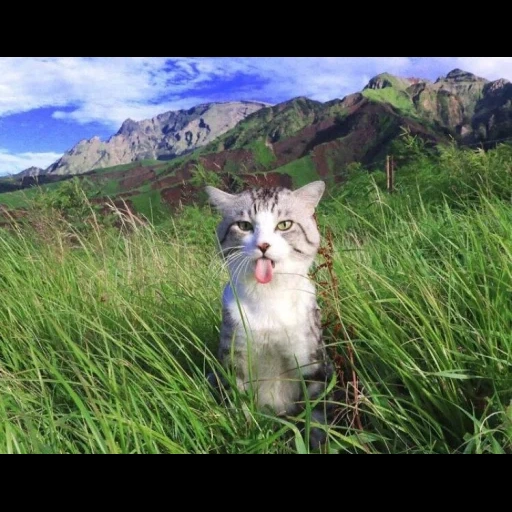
x=263, y=247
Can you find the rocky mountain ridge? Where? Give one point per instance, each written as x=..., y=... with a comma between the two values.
x=462, y=105
x=473, y=109
x=163, y=137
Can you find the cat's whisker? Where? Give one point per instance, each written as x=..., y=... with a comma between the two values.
x=234, y=256
x=241, y=265
x=222, y=251
x=242, y=268
x=232, y=265
x=230, y=259
x=247, y=263
x=218, y=266
x=238, y=259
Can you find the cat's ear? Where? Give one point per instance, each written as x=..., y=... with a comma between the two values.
x=311, y=193
x=219, y=199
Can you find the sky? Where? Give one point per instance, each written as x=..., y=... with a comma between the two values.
x=48, y=104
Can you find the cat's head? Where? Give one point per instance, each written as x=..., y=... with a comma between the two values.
x=268, y=232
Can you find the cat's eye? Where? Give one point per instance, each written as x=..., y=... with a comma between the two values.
x=284, y=225
x=244, y=225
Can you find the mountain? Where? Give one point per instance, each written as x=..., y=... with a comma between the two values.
x=30, y=172
x=288, y=144
x=301, y=139
x=471, y=108
x=465, y=106
x=161, y=138
x=493, y=113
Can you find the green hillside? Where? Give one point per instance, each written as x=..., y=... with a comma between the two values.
x=108, y=329
x=302, y=139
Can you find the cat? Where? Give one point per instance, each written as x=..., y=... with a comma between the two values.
x=271, y=333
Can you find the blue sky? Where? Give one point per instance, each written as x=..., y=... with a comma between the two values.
x=48, y=104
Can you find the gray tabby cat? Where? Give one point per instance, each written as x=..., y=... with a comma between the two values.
x=271, y=331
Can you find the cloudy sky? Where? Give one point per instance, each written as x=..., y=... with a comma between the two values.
x=48, y=104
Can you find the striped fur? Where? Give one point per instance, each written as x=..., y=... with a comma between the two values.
x=271, y=333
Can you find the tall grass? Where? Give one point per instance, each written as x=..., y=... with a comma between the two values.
x=106, y=334
x=103, y=345
x=428, y=303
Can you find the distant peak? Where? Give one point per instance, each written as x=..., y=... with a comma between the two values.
x=31, y=171
x=256, y=102
x=383, y=80
x=303, y=99
x=454, y=73
x=497, y=86
x=128, y=126
x=379, y=81
x=237, y=102
x=459, y=75
x=215, y=103
x=350, y=100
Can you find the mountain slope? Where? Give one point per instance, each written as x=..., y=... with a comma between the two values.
x=469, y=107
x=493, y=112
x=30, y=172
x=290, y=143
x=162, y=137
x=332, y=135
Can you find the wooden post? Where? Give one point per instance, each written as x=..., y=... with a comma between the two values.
x=390, y=167
x=392, y=171
x=388, y=174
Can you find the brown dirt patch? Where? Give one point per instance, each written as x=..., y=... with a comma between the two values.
x=268, y=180
x=134, y=178
x=241, y=158
x=299, y=145
x=177, y=196
x=182, y=174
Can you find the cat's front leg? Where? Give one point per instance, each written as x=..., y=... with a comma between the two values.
x=317, y=381
x=218, y=382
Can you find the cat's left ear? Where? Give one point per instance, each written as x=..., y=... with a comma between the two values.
x=219, y=199
x=311, y=193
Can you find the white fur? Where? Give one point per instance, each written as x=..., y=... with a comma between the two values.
x=271, y=319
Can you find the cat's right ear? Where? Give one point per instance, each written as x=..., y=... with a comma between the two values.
x=219, y=199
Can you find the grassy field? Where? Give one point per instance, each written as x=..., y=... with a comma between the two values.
x=106, y=334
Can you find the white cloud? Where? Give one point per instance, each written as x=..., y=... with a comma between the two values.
x=320, y=78
x=491, y=68
x=95, y=87
x=11, y=163
x=113, y=114
x=109, y=90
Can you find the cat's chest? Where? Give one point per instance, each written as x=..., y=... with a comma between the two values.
x=273, y=317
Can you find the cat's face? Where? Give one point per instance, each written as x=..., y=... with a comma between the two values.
x=265, y=232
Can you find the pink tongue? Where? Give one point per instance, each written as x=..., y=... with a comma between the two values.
x=263, y=271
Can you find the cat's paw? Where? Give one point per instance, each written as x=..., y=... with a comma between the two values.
x=317, y=438
x=213, y=380
x=318, y=435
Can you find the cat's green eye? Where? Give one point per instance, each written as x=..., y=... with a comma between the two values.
x=285, y=225
x=244, y=226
